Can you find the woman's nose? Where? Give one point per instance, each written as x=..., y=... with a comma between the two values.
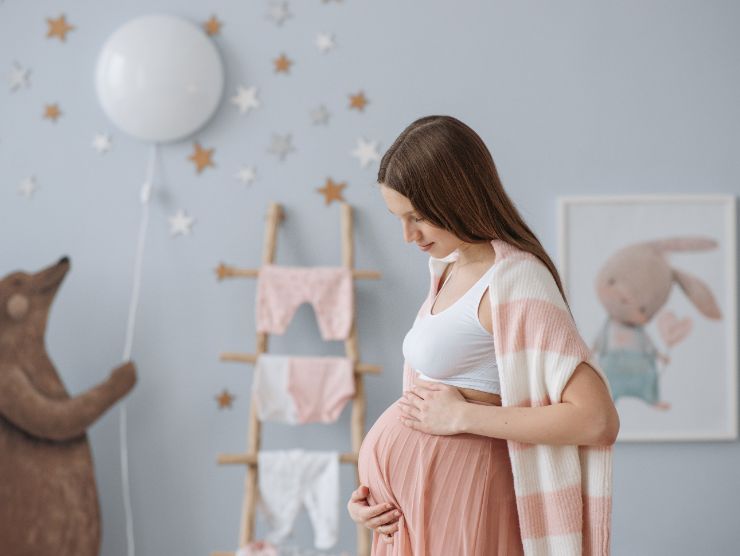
x=409, y=233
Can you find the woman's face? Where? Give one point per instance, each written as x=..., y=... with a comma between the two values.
x=437, y=242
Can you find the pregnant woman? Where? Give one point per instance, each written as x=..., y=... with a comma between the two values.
x=501, y=443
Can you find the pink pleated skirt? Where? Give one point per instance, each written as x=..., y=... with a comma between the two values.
x=455, y=493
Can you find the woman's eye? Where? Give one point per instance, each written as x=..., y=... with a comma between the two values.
x=418, y=219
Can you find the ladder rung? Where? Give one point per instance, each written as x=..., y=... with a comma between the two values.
x=252, y=358
x=251, y=459
x=226, y=271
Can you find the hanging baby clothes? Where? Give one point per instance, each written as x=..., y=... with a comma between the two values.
x=282, y=289
x=288, y=479
x=299, y=390
x=258, y=548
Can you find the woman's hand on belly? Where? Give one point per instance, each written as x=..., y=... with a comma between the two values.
x=383, y=518
x=432, y=407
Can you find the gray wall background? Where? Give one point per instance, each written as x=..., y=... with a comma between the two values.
x=573, y=97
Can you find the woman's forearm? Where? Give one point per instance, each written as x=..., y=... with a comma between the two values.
x=560, y=423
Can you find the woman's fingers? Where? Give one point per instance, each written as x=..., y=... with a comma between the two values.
x=386, y=532
x=409, y=410
x=372, y=511
x=388, y=529
x=407, y=406
x=419, y=392
x=387, y=517
x=360, y=493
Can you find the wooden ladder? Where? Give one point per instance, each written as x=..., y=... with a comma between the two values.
x=274, y=217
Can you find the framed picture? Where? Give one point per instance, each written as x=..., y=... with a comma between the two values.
x=652, y=284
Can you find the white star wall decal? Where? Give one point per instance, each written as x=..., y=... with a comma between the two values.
x=279, y=12
x=180, y=223
x=366, y=152
x=19, y=77
x=28, y=187
x=246, y=175
x=324, y=42
x=245, y=98
x=101, y=143
x=281, y=145
x=320, y=115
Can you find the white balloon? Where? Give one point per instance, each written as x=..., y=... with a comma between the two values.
x=159, y=78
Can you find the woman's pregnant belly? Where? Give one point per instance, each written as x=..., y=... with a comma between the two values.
x=455, y=492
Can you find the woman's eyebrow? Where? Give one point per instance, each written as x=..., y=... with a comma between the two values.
x=404, y=214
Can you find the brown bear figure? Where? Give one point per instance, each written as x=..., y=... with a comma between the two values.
x=48, y=497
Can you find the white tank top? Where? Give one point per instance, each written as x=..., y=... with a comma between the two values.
x=452, y=346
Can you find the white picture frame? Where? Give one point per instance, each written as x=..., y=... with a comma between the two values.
x=652, y=284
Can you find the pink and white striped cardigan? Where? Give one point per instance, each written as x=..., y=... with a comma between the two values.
x=563, y=492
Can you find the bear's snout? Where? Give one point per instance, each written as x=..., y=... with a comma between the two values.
x=50, y=278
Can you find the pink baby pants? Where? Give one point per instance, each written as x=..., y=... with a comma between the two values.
x=258, y=548
x=298, y=390
x=282, y=289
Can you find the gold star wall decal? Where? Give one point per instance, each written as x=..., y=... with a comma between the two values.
x=213, y=26
x=358, y=101
x=201, y=157
x=225, y=399
x=282, y=64
x=52, y=112
x=58, y=28
x=222, y=271
x=332, y=191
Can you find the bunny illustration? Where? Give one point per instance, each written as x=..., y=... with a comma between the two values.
x=633, y=285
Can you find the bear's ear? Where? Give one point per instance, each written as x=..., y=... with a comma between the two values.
x=17, y=306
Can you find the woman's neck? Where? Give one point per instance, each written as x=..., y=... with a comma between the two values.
x=469, y=253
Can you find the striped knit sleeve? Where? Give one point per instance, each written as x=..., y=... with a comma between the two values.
x=563, y=492
x=533, y=318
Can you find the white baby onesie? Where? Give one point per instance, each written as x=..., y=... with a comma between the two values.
x=290, y=478
x=270, y=392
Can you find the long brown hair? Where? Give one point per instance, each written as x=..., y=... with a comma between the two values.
x=446, y=171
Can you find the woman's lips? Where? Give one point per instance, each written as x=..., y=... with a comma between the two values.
x=426, y=247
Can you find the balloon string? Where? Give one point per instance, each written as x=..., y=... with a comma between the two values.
x=145, y=195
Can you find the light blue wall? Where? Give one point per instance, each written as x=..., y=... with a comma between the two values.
x=573, y=97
